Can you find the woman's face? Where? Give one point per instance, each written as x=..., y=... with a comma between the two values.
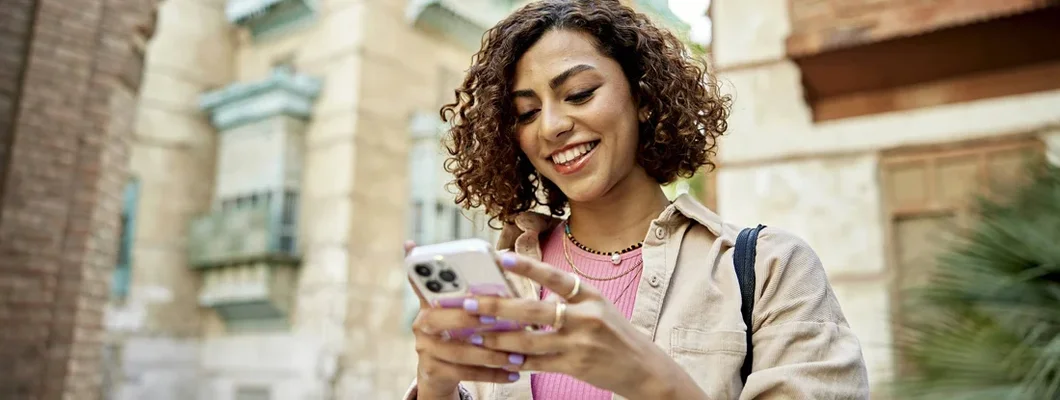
x=577, y=119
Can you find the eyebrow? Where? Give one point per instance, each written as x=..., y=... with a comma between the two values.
x=557, y=80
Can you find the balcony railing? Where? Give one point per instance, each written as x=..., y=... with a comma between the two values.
x=247, y=229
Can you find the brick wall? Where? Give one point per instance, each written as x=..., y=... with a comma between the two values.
x=63, y=167
x=826, y=24
x=15, y=20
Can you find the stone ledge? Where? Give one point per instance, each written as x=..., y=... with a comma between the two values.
x=266, y=18
x=459, y=20
x=282, y=93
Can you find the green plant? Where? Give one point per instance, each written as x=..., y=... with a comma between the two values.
x=987, y=325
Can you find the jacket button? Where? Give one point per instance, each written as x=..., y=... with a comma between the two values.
x=653, y=281
x=660, y=233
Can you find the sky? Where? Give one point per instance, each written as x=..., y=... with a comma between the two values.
x=693, y=12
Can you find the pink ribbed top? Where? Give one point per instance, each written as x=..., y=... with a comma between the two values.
x=622, y=292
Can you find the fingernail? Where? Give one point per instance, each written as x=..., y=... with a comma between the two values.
x=462, y=333
x=508, y=260
x=486, y=289
x=476, y=340
x=488, y=320
x=516, y=359
x=471, y=305
x=512, y=377
x=450, y=302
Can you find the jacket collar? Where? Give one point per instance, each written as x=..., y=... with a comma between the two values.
x=523, y=235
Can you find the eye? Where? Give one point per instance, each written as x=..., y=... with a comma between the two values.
x=581, y=97
x=527, y=116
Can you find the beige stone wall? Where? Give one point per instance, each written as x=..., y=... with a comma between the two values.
x=403, y=70
x=349, y=304
x=172, y=154
x=820, y=180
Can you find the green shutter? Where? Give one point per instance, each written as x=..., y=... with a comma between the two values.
x=123, y=269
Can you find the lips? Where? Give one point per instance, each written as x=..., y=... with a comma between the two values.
x=574, y=158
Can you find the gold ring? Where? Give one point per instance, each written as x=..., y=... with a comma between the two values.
x=561, y=313
x=577, y=287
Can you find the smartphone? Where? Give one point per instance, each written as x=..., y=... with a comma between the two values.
x=455, y=270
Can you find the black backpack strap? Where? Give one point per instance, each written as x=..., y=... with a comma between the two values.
x=744, y=259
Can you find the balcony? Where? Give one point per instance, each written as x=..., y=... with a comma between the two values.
x=462, y=21
x=869, y=60
x=250, y=297
x=248, y=229
x=268, y=18
x=247, y=254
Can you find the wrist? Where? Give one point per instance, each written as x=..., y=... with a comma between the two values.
x=667, y=383
x=438, y=395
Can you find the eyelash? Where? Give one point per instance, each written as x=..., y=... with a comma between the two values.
x=577, y=99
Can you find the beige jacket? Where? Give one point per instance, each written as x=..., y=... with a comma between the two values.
x=688, y=302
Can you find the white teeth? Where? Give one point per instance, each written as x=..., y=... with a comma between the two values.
x=573, y=153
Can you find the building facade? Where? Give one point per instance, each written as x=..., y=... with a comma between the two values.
x=867, y=127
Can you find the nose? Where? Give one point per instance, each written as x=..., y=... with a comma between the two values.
x=555, y=122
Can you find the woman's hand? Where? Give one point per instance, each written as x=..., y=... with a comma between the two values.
x=590, y=341
x=446, y=358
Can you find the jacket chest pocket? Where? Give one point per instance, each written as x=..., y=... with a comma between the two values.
x=712, y=358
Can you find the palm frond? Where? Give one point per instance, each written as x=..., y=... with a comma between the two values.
x=987, y=325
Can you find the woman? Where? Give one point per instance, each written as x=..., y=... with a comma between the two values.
x=586, y=106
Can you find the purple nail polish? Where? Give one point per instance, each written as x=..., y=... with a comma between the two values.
x=462, y=333
x=508, y=260
x=488, y=320
x=451, y=302
x=487, y=289
x=516, y=359
x=512, y=377
x=504, y=325
x=471, y=305
x=476, y=340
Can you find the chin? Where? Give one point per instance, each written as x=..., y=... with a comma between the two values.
x=585, y=190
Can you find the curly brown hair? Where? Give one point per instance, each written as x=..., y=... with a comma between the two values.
x=687, y=112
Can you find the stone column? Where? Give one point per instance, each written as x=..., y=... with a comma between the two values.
x=62, y=163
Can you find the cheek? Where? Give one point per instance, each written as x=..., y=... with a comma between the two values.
x=529, y=146
x=525, y=141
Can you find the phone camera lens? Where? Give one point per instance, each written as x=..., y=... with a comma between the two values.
x=434, y=286
x=447, y=276
x=423, y=270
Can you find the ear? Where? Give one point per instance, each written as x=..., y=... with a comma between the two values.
x=643, y=92
x=643, y=114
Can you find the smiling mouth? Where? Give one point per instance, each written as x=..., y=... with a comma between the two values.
x=574, y=154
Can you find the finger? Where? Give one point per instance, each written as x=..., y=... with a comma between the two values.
x=434, y=321
x=463, y=353
x=547, y=363
x=554, y=279
x=435, y=368
x=525, y=311
x=525, y=342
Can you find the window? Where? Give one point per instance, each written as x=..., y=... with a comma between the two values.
x=126, y=229
x=928, y=193
x=433, y=215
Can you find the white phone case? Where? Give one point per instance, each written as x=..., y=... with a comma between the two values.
x=450, y=270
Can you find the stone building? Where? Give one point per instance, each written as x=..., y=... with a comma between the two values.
x=866, y=126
